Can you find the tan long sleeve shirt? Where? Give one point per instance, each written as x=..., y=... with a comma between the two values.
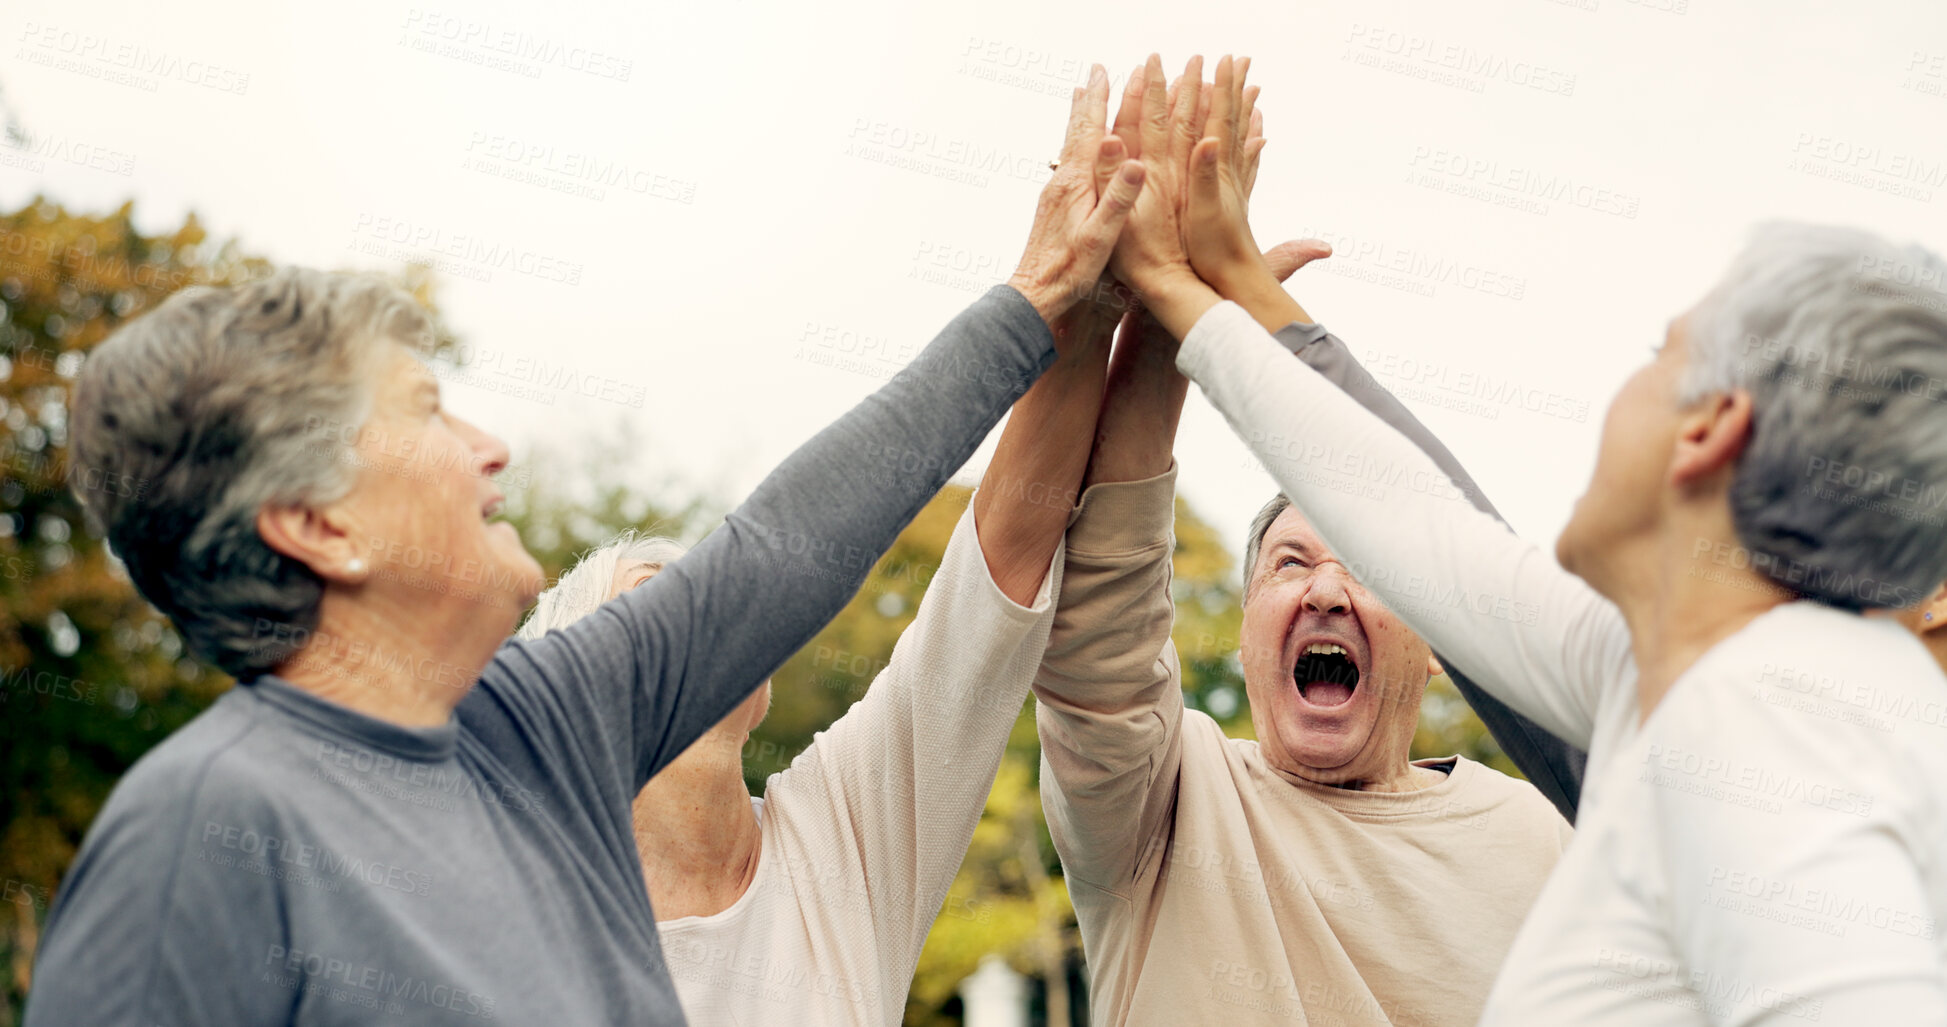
x=1212, y=888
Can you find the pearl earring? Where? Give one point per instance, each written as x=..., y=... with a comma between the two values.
x=357, y=566
x=1930, y=616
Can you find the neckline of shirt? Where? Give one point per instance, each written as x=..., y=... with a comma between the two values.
x=424, y=744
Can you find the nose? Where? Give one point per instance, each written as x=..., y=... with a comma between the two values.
x=490, y=454
x=1326, y=592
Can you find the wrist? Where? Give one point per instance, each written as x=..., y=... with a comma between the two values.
x=1039, y=296
x=1177, y=300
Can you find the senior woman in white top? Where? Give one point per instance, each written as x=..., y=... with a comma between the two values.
x=811, y=905
x=1765, y=494
x=398, y=815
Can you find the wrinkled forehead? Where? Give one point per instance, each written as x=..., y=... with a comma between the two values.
x=1292, y=530
x=629, y=573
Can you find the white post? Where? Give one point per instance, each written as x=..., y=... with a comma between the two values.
x=994, y=995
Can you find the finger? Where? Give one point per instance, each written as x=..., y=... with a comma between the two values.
x=1096, y=111
x=1105, y=222
x=1218, y=119
x=1235, y=121
x=1156, y=112
x=1202, y=119
x=1206, y=181
x=1077, y=117
x=1286, y=258
x=1184, y=133
x=1250, y=105
x=1252, y=148
x=1109, y=155
x=1128, y=118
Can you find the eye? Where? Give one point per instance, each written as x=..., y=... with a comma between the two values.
x=1290, y=561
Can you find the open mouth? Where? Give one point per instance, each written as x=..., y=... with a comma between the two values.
x=1325, y=674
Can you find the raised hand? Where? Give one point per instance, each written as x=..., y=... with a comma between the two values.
x=1075, y=224
x=1222, y=170
x=1157, y=121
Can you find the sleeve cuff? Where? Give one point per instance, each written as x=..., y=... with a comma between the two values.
x=1125, y=516
x=1299, y=334
x=966, y=558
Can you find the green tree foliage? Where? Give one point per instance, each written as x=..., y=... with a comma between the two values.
x=91, y=675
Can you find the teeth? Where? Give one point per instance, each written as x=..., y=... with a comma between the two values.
x=1325, y=648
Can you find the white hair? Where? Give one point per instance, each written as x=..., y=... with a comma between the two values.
x=1840, y=337
x=589, y=582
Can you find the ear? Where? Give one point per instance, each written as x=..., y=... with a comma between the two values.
x=1933, y=615
x=1711, y=436
x=316, y=539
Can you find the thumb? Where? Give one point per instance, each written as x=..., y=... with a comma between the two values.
x=1205, y=183
x=1111, y=212
x=1286, y=258
x=1108, y=158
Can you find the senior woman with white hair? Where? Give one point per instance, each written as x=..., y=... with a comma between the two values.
x=398, y=814
x=1742, y=857
x=811, y=904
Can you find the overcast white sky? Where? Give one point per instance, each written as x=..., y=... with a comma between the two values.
x=697, y=209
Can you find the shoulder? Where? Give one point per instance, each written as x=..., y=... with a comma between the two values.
x=1508, y=803
x=211, y=759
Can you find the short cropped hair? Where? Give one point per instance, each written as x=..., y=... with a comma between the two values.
x=1841, y=339
x=215, y=404
x=1260, y=526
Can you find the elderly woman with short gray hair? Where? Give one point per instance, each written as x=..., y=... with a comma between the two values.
x=399, y=815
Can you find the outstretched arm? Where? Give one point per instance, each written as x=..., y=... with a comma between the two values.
x=1471, y=588
x=898, y=783
x=697, y=638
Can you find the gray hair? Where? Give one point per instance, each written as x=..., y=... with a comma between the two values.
x=1841, y=339
x=1260, y=526
x=194, y=417
x=586, y=585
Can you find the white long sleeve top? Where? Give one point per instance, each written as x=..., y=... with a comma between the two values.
x=865, y=830
x=1767, y=848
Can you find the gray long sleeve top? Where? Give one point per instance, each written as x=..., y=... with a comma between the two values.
x=286, y=860
x=1550, y=764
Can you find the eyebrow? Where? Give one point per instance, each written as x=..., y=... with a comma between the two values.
x=1297, y=547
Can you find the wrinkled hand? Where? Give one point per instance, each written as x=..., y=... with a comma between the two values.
x=1158, y=124
x=1082, y=209
x=1222, y=169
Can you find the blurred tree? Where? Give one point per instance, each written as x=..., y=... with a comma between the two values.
x=91, y=675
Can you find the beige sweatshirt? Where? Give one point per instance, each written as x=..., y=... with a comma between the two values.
x=1212, y=888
